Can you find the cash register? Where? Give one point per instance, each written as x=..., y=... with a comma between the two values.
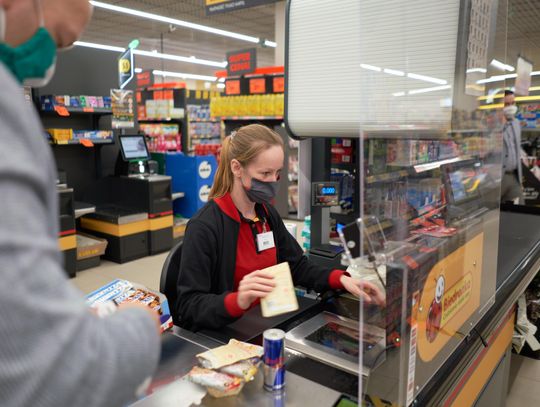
x=133, y=158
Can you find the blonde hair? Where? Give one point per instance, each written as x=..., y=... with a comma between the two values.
x=244, y=145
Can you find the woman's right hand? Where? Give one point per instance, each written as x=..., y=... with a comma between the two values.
x=253, y=286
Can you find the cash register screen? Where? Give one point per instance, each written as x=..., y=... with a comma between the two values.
x=134, y=148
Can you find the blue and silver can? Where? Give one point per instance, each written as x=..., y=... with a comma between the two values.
x=274, y=359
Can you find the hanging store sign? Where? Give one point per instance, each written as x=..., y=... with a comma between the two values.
x=241, y=62
x=224, y=6
x=145, y=79
x=125, y=68
x=523, y=80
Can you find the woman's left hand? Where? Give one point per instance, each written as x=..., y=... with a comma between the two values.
x=360, y=288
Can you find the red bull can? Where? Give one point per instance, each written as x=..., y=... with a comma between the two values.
x=274, y=359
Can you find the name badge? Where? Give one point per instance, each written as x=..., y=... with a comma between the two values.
x=265, y=241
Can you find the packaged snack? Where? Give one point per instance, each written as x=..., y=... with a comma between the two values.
x=229, y=354
x=245, y=369
x=220, y=382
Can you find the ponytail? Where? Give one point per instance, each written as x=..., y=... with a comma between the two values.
x=243, y=145
x=223, y=181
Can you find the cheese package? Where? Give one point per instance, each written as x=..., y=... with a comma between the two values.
x=283, y=298
x=122, y=291
x=229, y=354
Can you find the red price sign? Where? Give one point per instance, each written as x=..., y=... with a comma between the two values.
x=88, y=109
x=61, y=110
x=257, y=85
x=278, y=84
x=232, y=87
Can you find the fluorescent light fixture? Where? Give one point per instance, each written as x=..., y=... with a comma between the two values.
x=270, y=43
x=398, y=94
x=138, y=70
x=479, y=70
x=430, y=166
x=427, y=78
x=502, y=66
x=221, y=80
x=180, y=23
x=180, y=59
x=98, y=46
x=426, y=90
x=370, y=67
x=184, y=75
x=153, y=54
x=535, y=73
x=220, y=86
x=394, y=72
x=497, y=78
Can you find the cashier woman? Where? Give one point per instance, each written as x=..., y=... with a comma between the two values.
x=239, y=233
x=53, y=350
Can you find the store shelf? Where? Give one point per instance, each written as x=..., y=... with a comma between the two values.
x=343, y=166
x=240, y=118
x=203, y=121
x=165, y=120
x=78, y=141
x=389, y=176
x=205, y=137
x=81, y=110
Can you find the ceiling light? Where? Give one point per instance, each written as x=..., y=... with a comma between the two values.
x=502, y=66
x=427, y=78
x=425, y=90
x=497, y=78
x=180, y=23
x=180, y=59
x=535, y=73
x=394, y=72
x=98, y=46
x=153, y=54
x=184, y=75
x=398, y=94
x=221, y=80
x=479, y=70
x=220, y=86
x=138, y=70
x=270, y=44
x=370, y=67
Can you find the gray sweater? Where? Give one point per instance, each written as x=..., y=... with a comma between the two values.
x=53, y=351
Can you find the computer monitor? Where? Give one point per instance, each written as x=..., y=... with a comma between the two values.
x=133, y=148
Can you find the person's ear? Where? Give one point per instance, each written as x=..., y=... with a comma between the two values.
x=236, y=168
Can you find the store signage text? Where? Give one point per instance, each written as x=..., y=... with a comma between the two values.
x=224, y=6
x=241, y=62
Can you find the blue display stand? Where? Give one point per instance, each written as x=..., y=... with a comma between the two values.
x=194, y=177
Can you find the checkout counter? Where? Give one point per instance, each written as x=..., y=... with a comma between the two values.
x=484, y=353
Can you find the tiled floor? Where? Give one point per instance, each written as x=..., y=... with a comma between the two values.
x=524, y=382
x=524, y=375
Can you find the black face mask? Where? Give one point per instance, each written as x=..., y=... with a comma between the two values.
x=262, y=192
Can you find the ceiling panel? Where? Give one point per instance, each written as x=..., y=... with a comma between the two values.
x=112, y=28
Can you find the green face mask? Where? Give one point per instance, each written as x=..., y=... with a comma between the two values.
x=32, y=62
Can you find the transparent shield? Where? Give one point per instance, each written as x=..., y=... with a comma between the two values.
x=430, y=177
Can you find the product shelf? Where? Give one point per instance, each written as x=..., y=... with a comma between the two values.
x=249, y=118
x=387, y=177
x=80, y=110
x=79, y=141
x=164, y=120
